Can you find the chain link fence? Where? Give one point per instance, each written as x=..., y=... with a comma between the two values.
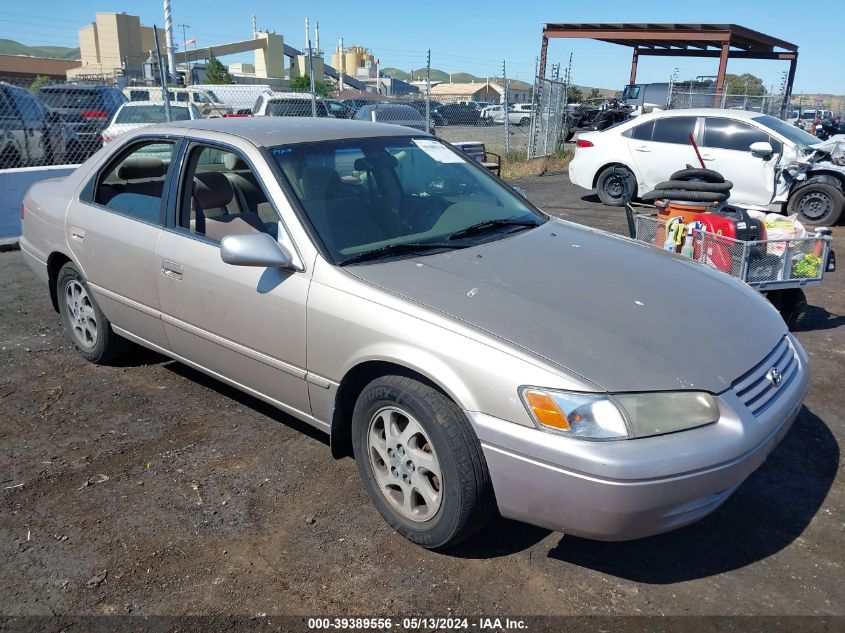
x=772, y=104
x=46, y=123
x=550, y=105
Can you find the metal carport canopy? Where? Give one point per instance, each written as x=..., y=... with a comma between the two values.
x=681, y=40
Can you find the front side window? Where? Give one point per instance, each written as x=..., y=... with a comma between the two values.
x=722, y=133
x=673, y=129
x=372, y=195
x=790, y=132
x=221, y=195
x=133, y=184
x=28, y=107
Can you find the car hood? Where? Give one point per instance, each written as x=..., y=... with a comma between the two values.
x=625, y=316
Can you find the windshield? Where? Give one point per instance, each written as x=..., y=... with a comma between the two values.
x=294, y=107
x=366, y=194
x=151, y=114
x=787, y=130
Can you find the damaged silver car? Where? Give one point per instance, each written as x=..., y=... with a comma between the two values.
x=472, y=353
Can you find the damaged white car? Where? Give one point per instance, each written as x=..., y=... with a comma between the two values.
x=772, y=164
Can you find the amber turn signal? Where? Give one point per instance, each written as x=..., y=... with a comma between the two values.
x=546, y=410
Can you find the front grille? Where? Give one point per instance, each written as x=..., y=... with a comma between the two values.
x=756, y=390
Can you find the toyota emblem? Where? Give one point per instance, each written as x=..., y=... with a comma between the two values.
x=774, y=376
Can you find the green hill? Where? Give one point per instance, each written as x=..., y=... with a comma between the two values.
x=11, y=47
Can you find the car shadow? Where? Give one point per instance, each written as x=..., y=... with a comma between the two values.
x=502, y=537
x=591, y=197
x=818, y=318
x=259, y=406
x=765, y=515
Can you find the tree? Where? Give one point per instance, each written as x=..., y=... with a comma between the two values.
x=303, y=84
x=595, y=93
x=745, y=83
x=215, y=71
x=39, y=82
x=574, y=94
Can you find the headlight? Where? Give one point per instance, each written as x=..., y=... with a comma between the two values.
x=619, y=416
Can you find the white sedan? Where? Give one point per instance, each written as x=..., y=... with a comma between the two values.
x=134, y=114
x=752, y=150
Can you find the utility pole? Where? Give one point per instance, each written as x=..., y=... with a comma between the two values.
x=189, y=74
x=342, y=60
x=507, y=116
x=165, y=93
x=310, y=69
x=428, y=89
x=378, y=79
x=168, y=38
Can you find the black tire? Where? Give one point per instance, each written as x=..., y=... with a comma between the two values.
x=696, y=185
x=792, y=305
x=524, y=120
x=817, y=204
x=705, y=175
x=466, y=493
x=610, y=186
x=680, y=194
x=106, y=346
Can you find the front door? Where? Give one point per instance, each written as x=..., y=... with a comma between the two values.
x=244, y=324
x=725, y=148
x=113, y=230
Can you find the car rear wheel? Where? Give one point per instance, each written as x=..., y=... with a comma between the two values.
x=9, y=159
x=524, y=120
x=817, y=204
x=85, y=324
x=610, y=185
x=420, y=461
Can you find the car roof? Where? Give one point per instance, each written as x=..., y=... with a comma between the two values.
x=175, y=104
x=272, y=131
x=733, y=114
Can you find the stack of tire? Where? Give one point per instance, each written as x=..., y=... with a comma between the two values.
x=691, y=186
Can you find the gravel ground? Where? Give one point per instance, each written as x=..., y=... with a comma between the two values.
x=149, y=488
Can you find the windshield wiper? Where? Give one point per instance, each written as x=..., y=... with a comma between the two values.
x=398, y=249
x=490, y=225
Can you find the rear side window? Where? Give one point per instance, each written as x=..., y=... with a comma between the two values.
x=133, y=184
x=139, y=95
x=641, y=132
x=729, y=134
x=673, y=129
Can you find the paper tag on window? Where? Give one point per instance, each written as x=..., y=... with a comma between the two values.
x=437, y=151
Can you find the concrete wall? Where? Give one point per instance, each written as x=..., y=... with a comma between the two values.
x=13, y=186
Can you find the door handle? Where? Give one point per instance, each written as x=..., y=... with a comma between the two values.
x=77, y=233
x=643, y=148
x=172, y=269
x=707, y=157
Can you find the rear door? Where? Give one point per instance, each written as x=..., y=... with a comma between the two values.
x=725, y=148
x=113, y=229
x=661, y=149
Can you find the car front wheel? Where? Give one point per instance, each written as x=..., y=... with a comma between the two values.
x=85, y=324
x=421, y=462
x=817, y=204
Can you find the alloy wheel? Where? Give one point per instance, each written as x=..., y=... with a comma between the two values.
x=405, y=464
x=81, y=315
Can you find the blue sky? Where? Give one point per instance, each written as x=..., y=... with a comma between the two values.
x=475, y=36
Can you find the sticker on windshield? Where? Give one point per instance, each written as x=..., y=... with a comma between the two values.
x=437, y=151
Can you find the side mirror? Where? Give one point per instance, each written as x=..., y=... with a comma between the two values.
x=761, y=148
x=254, y=249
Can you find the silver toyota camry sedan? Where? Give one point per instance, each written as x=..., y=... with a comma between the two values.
x=473, y=354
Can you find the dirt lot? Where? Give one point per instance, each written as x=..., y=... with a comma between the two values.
x=151, y=489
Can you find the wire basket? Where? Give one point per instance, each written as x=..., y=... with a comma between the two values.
x=763, y=264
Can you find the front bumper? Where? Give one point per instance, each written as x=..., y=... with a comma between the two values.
x=629, y=489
